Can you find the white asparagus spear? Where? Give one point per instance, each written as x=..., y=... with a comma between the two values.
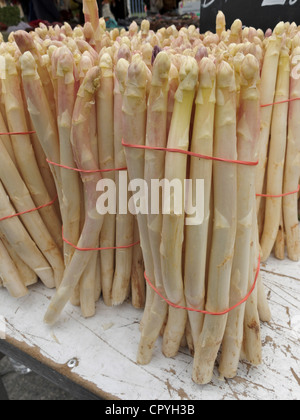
x=173, y=224
x=43, y=121
x=84, y=294
x=91, y=13
x=277, y=154
x=70, y=180
x=93, y=221
x=134, y=130
x=156, y=136
x=248, y=130
x=220, y=23
x=88, y=280
x=26, y=43
x=41, y=158
x=197, y=236
x=291, y=176
x=224, y=231
x=124, y=222
x=268, y=87
x=105, y=132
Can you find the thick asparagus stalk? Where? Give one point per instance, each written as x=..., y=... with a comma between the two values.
x=70, y=180
x=124, y=222
x=91, y=13
x=93, y=221
x=224, y=230
x=26, y=44
x=197, y=236
x=220, y=23
x=291, y=176
x=105, y=131
x=134, y=129
x=41, y=116
x=277, y=155
x=156, y=136
x=173, y=224
x=248, y=130
x=268, y=87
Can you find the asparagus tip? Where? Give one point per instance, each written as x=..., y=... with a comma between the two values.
x=161, y=68
x=226, y=76
x=250, y=69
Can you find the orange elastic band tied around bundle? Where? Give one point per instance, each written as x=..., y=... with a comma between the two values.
x=25, y=133
x=279, y=195
x=281, y=102
x=29, y=211
x=197, y=155
x=97, y=249
x=184, y=152
x=92, y=171
x=227, y=311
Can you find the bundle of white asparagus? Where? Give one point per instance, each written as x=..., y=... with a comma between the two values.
x=76, y=99
x=60, y=104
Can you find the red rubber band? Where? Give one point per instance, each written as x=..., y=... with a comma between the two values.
x=280, y=195
x=97, y=249
x=281, y=102
x=183, y=152
x=18, y=134
x=207, y=312
x=83, y=170
x=29, y=211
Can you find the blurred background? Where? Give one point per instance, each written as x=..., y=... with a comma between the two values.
x=28, y=14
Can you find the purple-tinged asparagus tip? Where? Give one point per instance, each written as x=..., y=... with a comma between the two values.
x=201, y=53
x=156, y=51
x=268, y=33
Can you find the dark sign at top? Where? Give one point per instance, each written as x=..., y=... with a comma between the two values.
x=262, y=14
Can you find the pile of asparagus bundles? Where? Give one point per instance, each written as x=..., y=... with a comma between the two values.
x=277, y=179
x=85, y=106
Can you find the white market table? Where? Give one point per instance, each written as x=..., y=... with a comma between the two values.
x=98, y=355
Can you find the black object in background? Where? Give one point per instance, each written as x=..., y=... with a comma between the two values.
x=118, y=9
x=262, y=14
x=44, y=10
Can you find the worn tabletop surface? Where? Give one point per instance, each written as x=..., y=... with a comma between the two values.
x=104, y=348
